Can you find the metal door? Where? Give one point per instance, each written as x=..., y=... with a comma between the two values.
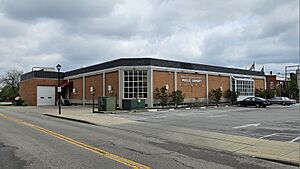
x=45, y=95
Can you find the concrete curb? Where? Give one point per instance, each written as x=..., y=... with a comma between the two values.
x=71, y=119
x=111, y=112
x=279, y=161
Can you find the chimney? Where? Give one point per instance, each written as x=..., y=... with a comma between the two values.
x=271, y=72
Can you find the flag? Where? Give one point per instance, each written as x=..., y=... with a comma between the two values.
x=252, y=68
x=262, y=69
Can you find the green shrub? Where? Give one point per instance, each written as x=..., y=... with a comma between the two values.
x=177, y=97
x=162, y=95
x=232, y=95
x=18, y=101
x=215, y=95
x=264, y=93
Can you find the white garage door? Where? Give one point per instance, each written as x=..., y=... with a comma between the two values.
x=45, y=95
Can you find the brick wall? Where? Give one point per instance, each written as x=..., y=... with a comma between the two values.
x=77, y=84
x=215, y=82
x=28, y=89
x=112, y=79
x=192, y=85
x=269, y=79
x=161, y=79
x=96, y=82
x=259, y=83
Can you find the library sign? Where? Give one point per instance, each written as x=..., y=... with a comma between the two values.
x=191, y=79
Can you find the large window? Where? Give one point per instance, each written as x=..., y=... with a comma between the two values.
x=243, y=86
x=135, y=84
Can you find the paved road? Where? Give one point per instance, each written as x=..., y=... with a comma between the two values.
x=30, y=140
x=276, y=122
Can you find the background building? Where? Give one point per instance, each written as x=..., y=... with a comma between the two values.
x=131, y=78
x=276, y=83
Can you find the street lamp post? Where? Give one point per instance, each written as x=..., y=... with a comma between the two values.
x=58, y=67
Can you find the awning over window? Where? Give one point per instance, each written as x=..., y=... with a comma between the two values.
x=66, y=84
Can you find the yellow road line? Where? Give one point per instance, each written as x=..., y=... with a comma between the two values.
x=104, y=153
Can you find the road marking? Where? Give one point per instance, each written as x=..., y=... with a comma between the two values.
x=138, y=118
x=103, y=153
x=247, y=125
x=158, y=117
x=295, y=139
x=268, y=135
x=213, y=116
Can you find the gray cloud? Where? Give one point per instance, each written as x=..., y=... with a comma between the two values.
x=76, y=33
x=56, y=9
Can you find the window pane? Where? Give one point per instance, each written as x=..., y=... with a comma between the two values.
x=130, y=95
x=135, y=84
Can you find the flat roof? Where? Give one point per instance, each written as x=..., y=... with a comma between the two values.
x=146, y=62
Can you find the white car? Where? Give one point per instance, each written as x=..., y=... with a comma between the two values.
x=282, y=101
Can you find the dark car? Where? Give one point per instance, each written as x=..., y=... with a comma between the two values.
x=254, y=101
x=282, y=101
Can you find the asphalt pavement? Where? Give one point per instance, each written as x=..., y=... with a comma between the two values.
x=32, y=140
x=276, y=122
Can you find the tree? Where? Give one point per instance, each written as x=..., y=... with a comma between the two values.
x=162, y=95
x=177, y=97
x=215, y=95
x=264, y=93
x=292, y=88
x=270, y=93
x=232, y=95
x=10, y=84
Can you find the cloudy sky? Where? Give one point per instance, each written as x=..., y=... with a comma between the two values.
x=79, y=33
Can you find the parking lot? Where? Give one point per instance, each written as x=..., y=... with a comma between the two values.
x=275, y=122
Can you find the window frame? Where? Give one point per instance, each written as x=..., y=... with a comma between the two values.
x=135, y=84
x=244, y=86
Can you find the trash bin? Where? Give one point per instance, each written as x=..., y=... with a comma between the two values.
x=106, y=103
x=133, y=104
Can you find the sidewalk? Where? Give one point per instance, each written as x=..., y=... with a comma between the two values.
x=283, y=152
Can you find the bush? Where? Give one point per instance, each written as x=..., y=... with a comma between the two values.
x=264, y=93
x=260, y=93
x=162, y=95
x=177, y=97
x=19, y=102
x=232, y=95
x=215, y=95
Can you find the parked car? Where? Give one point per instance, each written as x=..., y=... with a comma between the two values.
x=282, y=101
x=254, y=101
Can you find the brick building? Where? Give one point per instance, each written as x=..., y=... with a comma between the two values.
x=276, y=83
x=131, y=78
